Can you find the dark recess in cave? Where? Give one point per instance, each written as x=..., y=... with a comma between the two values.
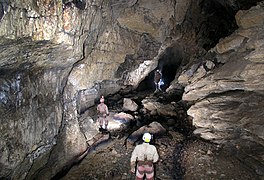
x=80, y=4
x=168, y=64
x=1, y=11
x=219, y=22
x=216, y=20
x=3, y=8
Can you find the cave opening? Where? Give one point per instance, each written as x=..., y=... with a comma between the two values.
x=80, y=4
x=168, y=64
x=3, y=8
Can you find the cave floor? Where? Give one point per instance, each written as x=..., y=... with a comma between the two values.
x=179, y=159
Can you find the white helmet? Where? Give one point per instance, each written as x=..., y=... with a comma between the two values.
x=102, y=99
x=146, y=137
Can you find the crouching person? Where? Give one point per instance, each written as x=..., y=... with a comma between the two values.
x=143, y=157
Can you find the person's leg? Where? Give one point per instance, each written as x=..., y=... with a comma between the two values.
x=106, y=122
x=140, y=173
x=156, y=87
x=159, y=87
x=149, y=172
x=100, y=120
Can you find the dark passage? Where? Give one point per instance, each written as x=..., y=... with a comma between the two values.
x=168, y=65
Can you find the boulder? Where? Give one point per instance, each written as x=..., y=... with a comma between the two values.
x=153, y=128
x=129, y=105
x=156, y=108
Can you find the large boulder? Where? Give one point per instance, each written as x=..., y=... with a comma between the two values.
x=157, y=108
x=129, y=105
x=153, y=128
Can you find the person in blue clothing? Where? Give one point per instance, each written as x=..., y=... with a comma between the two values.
x=158, y=80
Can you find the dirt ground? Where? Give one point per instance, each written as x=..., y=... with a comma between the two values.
x=179, y=159
x=203, y=160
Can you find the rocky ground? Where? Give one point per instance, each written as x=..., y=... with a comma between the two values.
x=111, y=160
x=179, y=159
x=202, y=160
x=182, y=156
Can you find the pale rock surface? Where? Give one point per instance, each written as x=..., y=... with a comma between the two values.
x=229, y=98
x=250, y=18
x=156, y=108
x=129, y=105
x=153, y=128
x=120, y=121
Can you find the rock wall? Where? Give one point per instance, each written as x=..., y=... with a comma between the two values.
x=31, y=107
x=228, y=96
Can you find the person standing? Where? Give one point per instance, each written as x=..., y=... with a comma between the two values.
x=157, y=79
x=102, y=111
x=143, y=158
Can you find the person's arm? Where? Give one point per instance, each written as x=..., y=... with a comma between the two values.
x=106, y=110
x=97, y=111
x=156, y=155
x=133, y=161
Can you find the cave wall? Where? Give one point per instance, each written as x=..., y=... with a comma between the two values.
x=31, y=107
x=38, y=50
x=238, y=65
x=227, y=91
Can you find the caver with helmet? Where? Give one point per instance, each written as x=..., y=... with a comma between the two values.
x=158, y=80
x=144, y=155
x=147, y=137
x=102, y=111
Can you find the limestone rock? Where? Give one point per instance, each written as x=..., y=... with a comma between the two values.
x=153, y=128
x=156, y=108
x=210, y=65
x=181, y=7
x=120, y=121
x=229, y=43
x=228, y=100
x=156, y=13
x=250, y=18
x=129, y=105
x=57, y=56
x=186, y=75
x=88, y=127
